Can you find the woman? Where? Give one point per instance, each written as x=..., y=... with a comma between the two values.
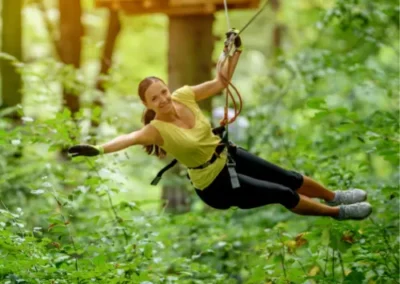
x=174, y=124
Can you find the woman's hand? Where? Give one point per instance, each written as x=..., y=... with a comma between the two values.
x=85, y=150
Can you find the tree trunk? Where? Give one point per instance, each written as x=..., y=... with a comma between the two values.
x=11, y=44
x=278, y=30
x=114, y=27
x=191, y=44
x=71, y=32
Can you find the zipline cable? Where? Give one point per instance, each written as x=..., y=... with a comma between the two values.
x=227, y=15
x=254, y=17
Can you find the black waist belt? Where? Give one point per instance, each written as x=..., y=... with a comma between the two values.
x=218, y=150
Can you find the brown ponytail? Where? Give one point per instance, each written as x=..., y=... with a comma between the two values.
x=150, y=114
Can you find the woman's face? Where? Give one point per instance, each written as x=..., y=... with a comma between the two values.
x=158, y=98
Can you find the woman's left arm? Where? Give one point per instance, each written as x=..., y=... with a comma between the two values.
x=221, y=81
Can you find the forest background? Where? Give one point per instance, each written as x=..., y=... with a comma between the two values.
x=320, y=82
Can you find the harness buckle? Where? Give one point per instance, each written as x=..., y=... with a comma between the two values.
x=231, y=163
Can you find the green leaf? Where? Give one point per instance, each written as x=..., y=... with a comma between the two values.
x=148, y=250
x=99, y=260
x=354, y=277
x=317, y=103
x=258, y=274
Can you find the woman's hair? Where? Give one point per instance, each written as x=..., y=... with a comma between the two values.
x=149, y=114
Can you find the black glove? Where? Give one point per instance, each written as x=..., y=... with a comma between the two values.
x=85, y=150
x=237, y=42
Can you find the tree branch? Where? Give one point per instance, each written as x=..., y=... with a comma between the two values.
x=50, y=28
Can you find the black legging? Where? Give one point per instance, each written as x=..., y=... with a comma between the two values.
x=261, y=183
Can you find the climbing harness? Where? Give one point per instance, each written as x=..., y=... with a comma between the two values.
x=218, y=150
x=222, y=130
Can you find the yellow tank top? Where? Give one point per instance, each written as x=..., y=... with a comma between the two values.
x=192, y=147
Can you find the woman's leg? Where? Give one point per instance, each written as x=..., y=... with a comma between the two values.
x=311, y=188
x=258, y=168
x=308, y=206
x=263, y=183
x=255, y=193
x=251, y=165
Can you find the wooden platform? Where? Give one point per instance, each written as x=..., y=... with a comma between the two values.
x=175, y=7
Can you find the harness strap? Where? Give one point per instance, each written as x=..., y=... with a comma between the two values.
x=157, y=179
x=231, y=164
x=232, y=172
x=216, y=154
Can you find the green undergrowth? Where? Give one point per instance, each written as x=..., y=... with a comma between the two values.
x=325, y=104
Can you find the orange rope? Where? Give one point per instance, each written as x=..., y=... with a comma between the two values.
x=226, y=120
x=237, y=108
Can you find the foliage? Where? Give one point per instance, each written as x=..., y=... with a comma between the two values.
x=327, y=106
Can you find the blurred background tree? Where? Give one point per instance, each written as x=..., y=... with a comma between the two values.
x=11, y=43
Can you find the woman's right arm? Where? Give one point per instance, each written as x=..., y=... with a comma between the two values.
x=148, y=135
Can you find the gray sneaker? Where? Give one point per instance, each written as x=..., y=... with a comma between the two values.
x=350, y=196
x=357, y=211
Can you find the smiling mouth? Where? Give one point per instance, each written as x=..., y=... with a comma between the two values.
x=165, y=105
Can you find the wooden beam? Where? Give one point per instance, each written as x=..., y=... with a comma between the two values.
x=175, y=7
x=215, y=2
